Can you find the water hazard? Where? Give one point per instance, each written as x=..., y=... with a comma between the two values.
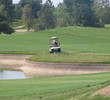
x=33, y=70
x=10, y=74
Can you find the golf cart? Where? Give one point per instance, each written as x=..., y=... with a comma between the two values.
x=54, y=45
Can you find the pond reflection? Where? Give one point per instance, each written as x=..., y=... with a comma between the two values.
x=10, y=74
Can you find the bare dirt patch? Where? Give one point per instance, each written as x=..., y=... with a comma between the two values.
x=21, y=30
x=40, y=69
x=104, y=92
x=20, y=26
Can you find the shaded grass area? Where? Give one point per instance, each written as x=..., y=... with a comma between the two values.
x=53, y=88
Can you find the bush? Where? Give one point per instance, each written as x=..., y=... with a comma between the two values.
x=5, y=28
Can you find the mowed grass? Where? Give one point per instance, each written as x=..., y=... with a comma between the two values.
x=73, y=39
x=53, y=88
x=78, y=44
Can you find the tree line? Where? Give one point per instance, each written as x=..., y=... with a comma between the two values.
x=92, y=13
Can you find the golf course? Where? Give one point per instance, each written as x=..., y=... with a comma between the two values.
x=84, y=49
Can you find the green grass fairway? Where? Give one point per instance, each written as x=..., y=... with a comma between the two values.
x=73, y=39
x=53, y=88
x=78, y=44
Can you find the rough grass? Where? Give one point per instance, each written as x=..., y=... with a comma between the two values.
x=70, y=57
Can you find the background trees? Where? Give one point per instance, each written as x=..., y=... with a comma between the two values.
x=94, y=13
x=81, y=12
x=27, y=16
x=34, y=4
x=62, y=16
x=18, y=11
x=102, y=9
x=46, y=18
x=6, y=16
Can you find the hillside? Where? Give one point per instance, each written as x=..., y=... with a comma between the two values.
x=73, y=39
x=78, y=44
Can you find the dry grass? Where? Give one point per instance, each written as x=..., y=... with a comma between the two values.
x=104, y=92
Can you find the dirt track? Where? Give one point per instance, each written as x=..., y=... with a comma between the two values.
x=37, y=69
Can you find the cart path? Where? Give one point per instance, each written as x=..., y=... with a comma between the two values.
x=41, y=69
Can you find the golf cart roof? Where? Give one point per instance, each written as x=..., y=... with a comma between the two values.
x=52, y=38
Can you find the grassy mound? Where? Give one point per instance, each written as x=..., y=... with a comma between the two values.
x=78, y=44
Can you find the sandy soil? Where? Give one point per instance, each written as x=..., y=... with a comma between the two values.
x=104, y=92
x=21, y=30
x=37, y=69
x=12, y=61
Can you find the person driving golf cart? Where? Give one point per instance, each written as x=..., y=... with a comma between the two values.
x=54, y=45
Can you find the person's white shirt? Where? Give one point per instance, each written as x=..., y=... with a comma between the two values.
x=55, y=43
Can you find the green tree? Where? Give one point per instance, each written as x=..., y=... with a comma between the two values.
x=87, y=16
x=34, y=4
x=62, y=15
x=27, y=16
x=81, y=12
x=107, y=16
x=71, y=12
x=102, y=8
x=18, y=11
x=6, y=16
x=7, y=9
x=46, y=16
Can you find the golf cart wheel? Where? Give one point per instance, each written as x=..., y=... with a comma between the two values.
x=59, y=50
x=52, y=51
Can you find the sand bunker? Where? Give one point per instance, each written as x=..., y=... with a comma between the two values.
x=37, y=69
x=12, y=61
x=104, y=92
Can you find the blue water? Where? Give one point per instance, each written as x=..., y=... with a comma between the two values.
x=9, y=74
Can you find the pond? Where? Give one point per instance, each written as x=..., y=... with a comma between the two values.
x=12, y=74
